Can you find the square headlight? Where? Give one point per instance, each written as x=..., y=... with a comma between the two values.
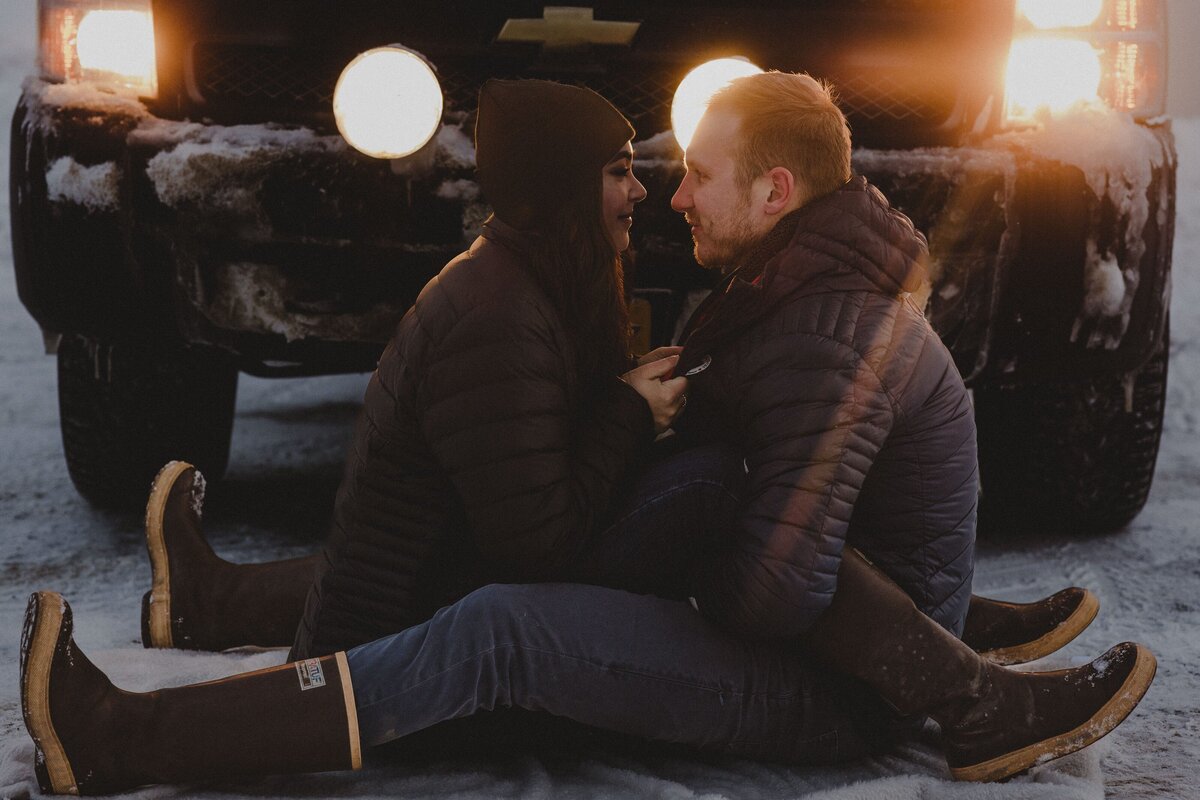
x=108, y=42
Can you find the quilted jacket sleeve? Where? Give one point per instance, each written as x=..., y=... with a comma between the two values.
x=814, y=416
x=533, y=479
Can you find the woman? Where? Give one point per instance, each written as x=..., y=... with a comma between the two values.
x=495, y=504
x=495, y=433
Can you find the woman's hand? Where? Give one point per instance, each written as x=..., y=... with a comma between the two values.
x=665, y=396
x=658, y=353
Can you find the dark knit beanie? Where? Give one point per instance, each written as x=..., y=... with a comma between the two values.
x=539, y=142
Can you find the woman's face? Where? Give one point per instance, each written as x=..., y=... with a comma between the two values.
x=621, y=192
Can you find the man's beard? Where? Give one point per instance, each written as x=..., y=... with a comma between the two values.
x=733, y=246
x=730, y=252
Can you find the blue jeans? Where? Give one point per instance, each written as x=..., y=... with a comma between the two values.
x=615, y=656
x=668, y=519
x=622, y=662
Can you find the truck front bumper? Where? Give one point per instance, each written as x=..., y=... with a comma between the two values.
x=1050, y=250
x=287, y=247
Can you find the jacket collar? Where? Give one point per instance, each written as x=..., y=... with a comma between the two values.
x=849, y=240
x=741, y=291
x=500, y=232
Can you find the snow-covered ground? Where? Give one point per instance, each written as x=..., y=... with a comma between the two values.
x=288, y=444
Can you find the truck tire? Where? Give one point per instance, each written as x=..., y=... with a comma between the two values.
x=125, y=411
x=1071, y=457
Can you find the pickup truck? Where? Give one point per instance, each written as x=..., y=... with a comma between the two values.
x=194, y=196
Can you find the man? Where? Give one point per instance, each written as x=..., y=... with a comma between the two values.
x=856, y=430
x=853, y=419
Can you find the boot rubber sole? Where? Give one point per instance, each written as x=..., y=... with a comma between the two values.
x=1099, y=725
x=44, y=626
x=1051, y=641
x=156, y=605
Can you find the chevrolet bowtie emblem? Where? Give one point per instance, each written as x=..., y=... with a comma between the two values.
x=568, y=28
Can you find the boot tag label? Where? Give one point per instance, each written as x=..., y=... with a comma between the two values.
x=312, y=676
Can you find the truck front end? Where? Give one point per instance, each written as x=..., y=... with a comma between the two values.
x=197, y=190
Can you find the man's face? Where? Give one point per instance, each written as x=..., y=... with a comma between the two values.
x=725, y=221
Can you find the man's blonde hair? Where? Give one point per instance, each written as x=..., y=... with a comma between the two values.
x=788, y=120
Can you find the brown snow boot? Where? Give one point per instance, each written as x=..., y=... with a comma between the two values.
x=199, y=601
x=1015, y=633
x=93, y=738
x=995, y=722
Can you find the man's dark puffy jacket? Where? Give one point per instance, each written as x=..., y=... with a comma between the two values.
x=854, y=421
x=471, y=461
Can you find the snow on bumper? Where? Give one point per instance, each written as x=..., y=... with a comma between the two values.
x=1047, y=249
x=241, y=231
x=1050, y=250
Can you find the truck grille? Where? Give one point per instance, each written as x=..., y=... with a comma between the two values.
x=881, y=98
x=644, y=95
x=236, y=74
x=256, y=84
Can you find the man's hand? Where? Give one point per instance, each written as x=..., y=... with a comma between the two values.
x=658, y=353
x=666, y=398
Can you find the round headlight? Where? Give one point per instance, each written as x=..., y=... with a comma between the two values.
x=388, y=102
x=692, y=96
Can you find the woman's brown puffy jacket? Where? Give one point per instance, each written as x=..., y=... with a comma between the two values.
x=471, y=461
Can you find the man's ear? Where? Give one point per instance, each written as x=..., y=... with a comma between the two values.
x=786, y=192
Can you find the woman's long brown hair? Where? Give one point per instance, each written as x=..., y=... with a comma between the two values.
x=578, y=267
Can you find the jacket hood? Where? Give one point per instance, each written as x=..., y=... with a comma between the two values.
x=850, y=240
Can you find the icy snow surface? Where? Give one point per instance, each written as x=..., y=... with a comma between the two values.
x=197, y=161
x=1114, y=154
x=84, y=95
x=199, y=167
x=1104, y=284
x=289, y=440
x=94, y=187
x=1116, y=157
x=454, y=147
x=659, y=150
